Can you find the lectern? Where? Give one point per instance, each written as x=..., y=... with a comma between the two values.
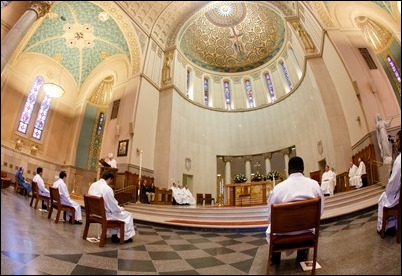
x=106, y=167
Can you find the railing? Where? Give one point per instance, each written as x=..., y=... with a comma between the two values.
x=126, y=194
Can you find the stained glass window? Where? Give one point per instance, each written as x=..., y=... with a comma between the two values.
x=249, y=92
x=206, y=92
x=270, y=87
x=101, y=121
x=29, y=105
x=226, y=90
x=41, y=118
x=394, y=68
x=287, y=77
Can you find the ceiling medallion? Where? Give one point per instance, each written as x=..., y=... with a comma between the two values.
x=227, y=14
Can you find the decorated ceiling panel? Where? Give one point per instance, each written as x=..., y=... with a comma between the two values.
x=79, y=35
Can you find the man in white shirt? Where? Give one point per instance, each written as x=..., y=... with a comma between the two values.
x=295, y=187
x=101, y=188
x=41, y=185
x=65, y=197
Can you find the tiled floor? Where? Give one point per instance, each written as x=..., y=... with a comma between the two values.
x=33, y=244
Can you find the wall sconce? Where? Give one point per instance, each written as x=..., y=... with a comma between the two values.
x=34, y=149
x=358, y=120
x=19, y=144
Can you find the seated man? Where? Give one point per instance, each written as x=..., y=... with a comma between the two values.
x=143, y=192
x=21, y=181
x=41, y=185
x=327, y=182
x=66, y=199
x=150, y=193
x=361, y=170
x=101, y=188
x=352, y=173
x=177, y=195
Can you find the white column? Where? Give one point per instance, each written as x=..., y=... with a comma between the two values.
x=10, y=42
x=248, y=167
x=228, y=176
x=286, y=157
x=267, y=157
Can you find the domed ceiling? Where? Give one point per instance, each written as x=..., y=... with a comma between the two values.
x=233, y=36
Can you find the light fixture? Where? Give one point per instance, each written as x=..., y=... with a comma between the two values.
x=53, y=90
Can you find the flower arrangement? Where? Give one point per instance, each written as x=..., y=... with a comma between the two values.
x=257, y=177
x=273, y=174
x=239, y=178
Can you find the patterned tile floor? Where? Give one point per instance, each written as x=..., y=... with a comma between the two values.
x=33, y=244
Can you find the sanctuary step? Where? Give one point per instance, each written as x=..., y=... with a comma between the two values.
x=248, y=217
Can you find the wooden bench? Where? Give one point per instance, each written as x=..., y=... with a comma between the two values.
x=5, y=180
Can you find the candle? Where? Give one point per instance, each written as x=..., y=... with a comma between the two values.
x=140, y=162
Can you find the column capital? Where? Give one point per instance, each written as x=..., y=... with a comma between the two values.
x=247, y=158
x=40, y=7
x=285, y=151
x=227, y=158
x=267, y=155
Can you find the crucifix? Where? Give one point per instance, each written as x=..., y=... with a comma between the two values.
x=237, y=43
x=258, y=165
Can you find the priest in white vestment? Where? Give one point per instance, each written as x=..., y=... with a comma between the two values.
x=327, y=179
x=352, y=173
x=101, y=188
x=361, y=170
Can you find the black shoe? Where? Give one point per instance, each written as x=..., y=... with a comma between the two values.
x=78, y=222
x=390, y=231
x=115, y=239
x=276, y=258
x=129, y=240
x=301, y=256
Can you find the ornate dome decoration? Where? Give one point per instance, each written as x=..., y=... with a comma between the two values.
x=227, y=14
x=375, y=34
x=230, y=37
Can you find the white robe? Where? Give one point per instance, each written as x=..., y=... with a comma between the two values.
x=100, y=188
x=66, y=200
x=41, y=185
x=352, y=173
x=357, y=179
x=295, y=187
x=390, y=196
x=177, y=195
x=327, y=182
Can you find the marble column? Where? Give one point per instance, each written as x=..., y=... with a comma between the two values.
x=247, y=160
x=286, y=153
x=10, y=42
x=267, y=158
x=228, y=175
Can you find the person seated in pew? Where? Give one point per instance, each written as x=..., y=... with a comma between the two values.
x=66, y=199
x=352, y=173
x=176, y=194
x=41, y=185
x=327, y=182
x=190, y=198
x=101, y=188
x=361, y=170
x=21, y=181
x=143, y=193
x=150, y=193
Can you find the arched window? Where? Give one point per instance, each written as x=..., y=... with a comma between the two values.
x=188, y=83
x=394, y=69
x=29, y=107
x=270, y=86
x=286, y=75
x=41, y=118
x=226, y=89
x=206, y=91
x=249, y=93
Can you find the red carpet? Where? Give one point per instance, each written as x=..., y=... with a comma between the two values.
x=260, y=222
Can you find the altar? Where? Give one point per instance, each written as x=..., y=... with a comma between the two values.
x=258, y=192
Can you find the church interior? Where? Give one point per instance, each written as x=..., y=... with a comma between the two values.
x=201, y=94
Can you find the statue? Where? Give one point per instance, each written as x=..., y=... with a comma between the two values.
x=166, y=71
x=382, y=138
